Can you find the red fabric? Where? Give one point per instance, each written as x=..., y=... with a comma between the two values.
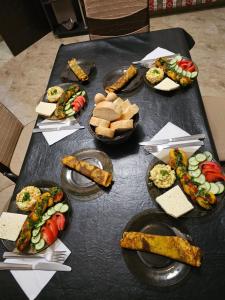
x=169, y=4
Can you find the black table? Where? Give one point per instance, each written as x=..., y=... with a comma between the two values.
x=98, y=268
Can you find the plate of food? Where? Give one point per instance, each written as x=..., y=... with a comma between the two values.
x=187, y=187
x=169, y=74
x=62, y=101
x=158, y=250
x=47, y=211
x=86, y=174
x=122, y=80
x=113, y=119
x=79, y=70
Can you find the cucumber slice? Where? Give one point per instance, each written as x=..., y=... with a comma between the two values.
x=79, y=93
x=208, y=155
x=68, y=106
x=178, y=58
x=36, y=231
x=64, y=208
x=40, y=245
x=69, y=111
x=58, y=206
x=188, y=74
x=179, y=70
x=192, y=161
x=36, y=239
x=83, y=93
x=176, y=68
x=39, y=224
x=205, y=186
x=221, y=187
x=172, y=61
x=45, y=217
x=214, y=188
x=192, y=168
x=194, y=75
x=184, y=73
x=71, y=114
x=51, y=211
x=200, y=179
x=196, y=173
x=200, y=157
x=72, y=99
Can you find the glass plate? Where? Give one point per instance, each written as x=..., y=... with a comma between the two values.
x=79, y=186
x=87, y=66
x=150, y=268
x=43, y=186
x=114, y=75
x=197, y=212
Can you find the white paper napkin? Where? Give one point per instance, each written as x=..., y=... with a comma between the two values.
x=168, y=131
x=158, y=52
x=55, y=136
x=32, y=282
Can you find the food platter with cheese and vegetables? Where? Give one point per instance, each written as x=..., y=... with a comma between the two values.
x=197, y=189
x=169, y=74
x=62, y=101
x=48, y=212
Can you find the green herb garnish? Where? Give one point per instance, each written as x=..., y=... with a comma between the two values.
x=26, y=197
x=164, y=172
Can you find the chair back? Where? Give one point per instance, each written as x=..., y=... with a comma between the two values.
x=10, y=130
x=116, y=17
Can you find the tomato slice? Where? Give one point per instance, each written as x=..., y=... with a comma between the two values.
x=58, y=196
x=52, y=225
x=191, y=69
x=47, y=235
x=60, y=220
x=81, y=100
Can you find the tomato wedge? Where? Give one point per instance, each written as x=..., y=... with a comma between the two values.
x=191, y=69
x=52, y=225
x=60, y=220
x=81, y=100
x=47, y=235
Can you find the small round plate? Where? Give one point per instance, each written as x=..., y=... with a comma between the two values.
x=115, y=74
x=64, y=86
x=118, y=138
x=174, y=89
x=77, y=185
x=197, y=212
x=44, y=187
x=150, y=268
x=88, y=67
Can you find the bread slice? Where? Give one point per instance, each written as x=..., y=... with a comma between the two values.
x=125, y=105
x=99, y=122
x=106, y=110
x=118, y=105
x=103, y=131
x=111, y=97
x=122, y=125
x=130, y=112
x=99, y=98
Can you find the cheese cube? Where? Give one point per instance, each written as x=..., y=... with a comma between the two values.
x=45, y=109
x=10, y=225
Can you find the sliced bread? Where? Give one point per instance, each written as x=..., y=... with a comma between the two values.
x=99, y=122
x=111, y=97
x=99, y=98
x=130, y=112
x=118, y=105
x=103, y=131
x=106, y=110
x=125, y=105
x=122, y=125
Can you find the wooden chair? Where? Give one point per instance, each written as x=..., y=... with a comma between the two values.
x=116, y=17
x=215, y=111
x=15, y=138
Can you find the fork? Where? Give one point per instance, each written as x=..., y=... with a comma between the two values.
x=158, y=148
x=55, y=256
x=69, y=121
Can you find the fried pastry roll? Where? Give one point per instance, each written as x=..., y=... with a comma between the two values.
x=77, y=70
x=98, y=175
x=173, y=247
x=123, y=80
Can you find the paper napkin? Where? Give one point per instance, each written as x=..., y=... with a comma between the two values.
x=55, y=136
x=158, y=52
x=168, y=131
x=32, y=282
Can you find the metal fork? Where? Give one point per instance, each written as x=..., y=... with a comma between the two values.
x=55, y=256
x=158, y=148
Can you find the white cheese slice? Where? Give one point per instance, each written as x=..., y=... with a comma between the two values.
x=10, y=225
x=174, y=202
x=45, y=109
x=166, y=84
